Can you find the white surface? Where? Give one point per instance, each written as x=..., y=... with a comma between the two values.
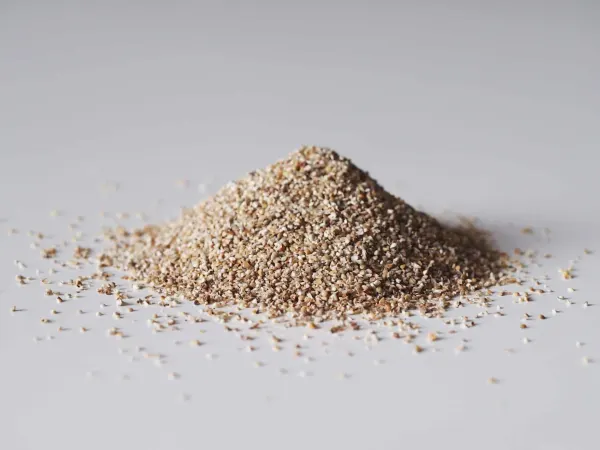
x=490, y=111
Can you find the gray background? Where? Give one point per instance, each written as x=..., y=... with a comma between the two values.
x=488, y=109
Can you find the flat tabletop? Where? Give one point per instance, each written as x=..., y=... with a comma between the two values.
x=122, y=113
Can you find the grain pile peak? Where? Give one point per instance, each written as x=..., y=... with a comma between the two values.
x=310, y=238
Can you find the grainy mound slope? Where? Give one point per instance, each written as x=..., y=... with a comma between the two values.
x=311, y=235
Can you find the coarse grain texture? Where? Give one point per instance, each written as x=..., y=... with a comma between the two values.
x=309, y=238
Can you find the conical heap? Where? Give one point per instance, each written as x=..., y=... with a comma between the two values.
x=312, y=235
